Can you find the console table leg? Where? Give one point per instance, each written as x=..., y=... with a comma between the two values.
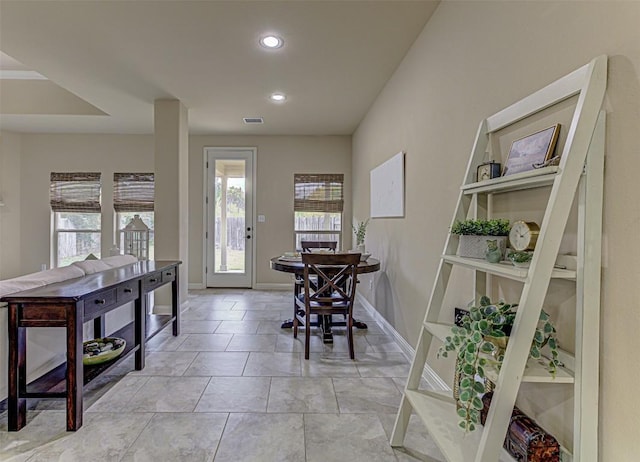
x=98, y=327
x=75, y=369
x=140, y=328
x=175, y=303
x=17, y=407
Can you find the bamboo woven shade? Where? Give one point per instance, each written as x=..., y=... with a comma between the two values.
x=318, y=192
x=75, y=192
x=133, y=192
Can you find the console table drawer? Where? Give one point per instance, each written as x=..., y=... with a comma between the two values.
x=152, y=281
x=97, y=303
x=169, y=275
x=128, y=292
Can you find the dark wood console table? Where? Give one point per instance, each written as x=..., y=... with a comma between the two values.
x=70, y=304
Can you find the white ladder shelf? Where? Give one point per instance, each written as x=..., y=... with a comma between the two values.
x=579, y=174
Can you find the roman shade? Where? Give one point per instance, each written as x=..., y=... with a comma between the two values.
x=75, y=192
x=133, y=192
x=318, y=192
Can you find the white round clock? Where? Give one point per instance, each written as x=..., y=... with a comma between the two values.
x=523, y=235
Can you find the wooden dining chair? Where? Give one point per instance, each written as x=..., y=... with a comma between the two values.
x=335, y=289
x=309, y=246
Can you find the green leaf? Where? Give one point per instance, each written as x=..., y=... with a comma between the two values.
x=538, y=337
x=465, y=396
x=543, y=315
x=463, y=424
x=477, y=337
x=483, y=325
x=462, y=412
x=477, y=403
x=534, y=352
x=468, y=369
x=471, y=348
x=469, y=357
x=552, y=343
x=465, y=382
x=548, y=328
x=480, y=371
x=471, y=427
x=484, y=301
x=478, y=387
x=487, y=347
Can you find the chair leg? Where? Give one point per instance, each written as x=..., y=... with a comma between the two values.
x=307, y=337
x=350, y=336
x=295, y=324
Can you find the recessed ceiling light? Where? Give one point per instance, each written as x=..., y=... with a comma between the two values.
x=278, y=97
x=271, y=41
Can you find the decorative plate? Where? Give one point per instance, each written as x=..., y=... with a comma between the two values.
x=100, y=350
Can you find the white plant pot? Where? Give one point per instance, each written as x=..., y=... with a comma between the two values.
x=475, y=246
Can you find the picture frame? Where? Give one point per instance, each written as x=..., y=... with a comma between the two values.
x=532, y=151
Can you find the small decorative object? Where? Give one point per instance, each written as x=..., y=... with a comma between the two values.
x=473, y=236
x=101, y=350
x=532, y=151
x=136, y=238
x=525, y=439
x=524, y=235
x=520, y=259
x=488, y=170
x=360, y=231
x=493, y=254
x=476, y=351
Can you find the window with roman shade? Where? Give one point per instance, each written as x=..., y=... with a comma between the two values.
x=133, y=192
x=318, y=192
x=75, y=201
x=318, y=203
x=75, y=192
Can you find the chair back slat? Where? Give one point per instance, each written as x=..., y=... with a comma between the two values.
x=328, y=245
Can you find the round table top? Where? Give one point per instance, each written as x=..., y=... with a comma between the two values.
x=291, y=265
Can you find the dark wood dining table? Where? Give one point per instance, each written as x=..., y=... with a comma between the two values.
x=295, y=266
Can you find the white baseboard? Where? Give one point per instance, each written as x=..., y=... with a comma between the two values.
x=428, y=374
x=273, y=286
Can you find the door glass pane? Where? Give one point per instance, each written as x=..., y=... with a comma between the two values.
x=229, y=224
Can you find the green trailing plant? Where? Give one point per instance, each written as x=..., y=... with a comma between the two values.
x=475, y=343
x=520, y=257
x=494, y=227
x=360, y=231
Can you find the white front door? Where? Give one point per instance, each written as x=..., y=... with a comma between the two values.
x=229, y=239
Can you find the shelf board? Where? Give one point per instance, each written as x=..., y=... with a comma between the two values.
x=53, y=383
x=535, y=371
x=441, y=420
x=518, y=181
x=504, y=269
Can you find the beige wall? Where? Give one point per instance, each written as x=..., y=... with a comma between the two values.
x=471, y=60
x=10, y=212
x=42, y=154
x=278, y=158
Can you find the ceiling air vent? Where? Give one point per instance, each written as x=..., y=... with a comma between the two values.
x=253, y=120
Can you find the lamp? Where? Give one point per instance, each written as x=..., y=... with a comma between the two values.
x=136, y=238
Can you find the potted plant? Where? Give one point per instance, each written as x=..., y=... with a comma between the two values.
x=473, y=236
x=479, y=342
x=360, y=230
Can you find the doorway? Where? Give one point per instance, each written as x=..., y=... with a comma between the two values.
x=229, y=199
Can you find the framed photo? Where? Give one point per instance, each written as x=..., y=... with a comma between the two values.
x=532, y=151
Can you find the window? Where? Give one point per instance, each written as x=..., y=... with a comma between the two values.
x=318, y=203
x=134, y=194
x=75, y=202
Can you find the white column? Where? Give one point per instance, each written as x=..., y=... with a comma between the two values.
x=171, y=192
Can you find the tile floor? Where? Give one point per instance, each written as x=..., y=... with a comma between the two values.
x=234, y=386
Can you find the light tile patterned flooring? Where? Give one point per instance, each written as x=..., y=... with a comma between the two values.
x=234, y=386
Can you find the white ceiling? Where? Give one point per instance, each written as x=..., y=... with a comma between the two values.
x=120, y=56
